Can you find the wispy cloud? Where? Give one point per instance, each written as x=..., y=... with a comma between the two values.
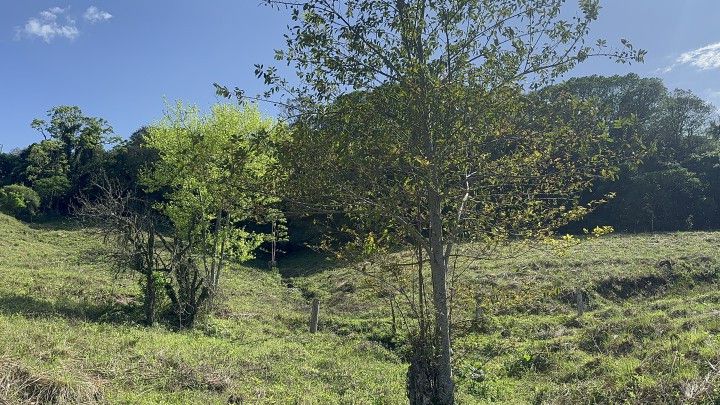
x=52, y=13
x=56, y=22
x=705, y=58
x=46, y=26
x=94, y=14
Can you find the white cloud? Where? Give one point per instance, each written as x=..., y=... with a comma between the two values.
x=93, y=14
x=665, y=70
x=705, y=58
x=46, y=26
x=52, y=13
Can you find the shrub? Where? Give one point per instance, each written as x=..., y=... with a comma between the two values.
x=19, y=201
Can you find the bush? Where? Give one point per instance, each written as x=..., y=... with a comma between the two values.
x=19, y=201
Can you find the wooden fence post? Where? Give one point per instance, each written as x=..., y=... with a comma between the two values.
x=580, y=301
x=314, y=313
x=479, y=321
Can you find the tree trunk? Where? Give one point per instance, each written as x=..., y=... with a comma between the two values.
x=444, y=389
x=150, y=287
x=421, y=293
x=421, y=376
x=150, y=297
x=273, y=246
x=392, y=313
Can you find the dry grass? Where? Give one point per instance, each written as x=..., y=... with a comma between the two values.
x=20, y=385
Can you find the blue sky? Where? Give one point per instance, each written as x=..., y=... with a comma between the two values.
x=117, y=59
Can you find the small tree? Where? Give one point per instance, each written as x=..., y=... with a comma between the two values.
x=436, y=139
x=141, y=239
x=130, y=229
x=217, y=171
x=47, y=171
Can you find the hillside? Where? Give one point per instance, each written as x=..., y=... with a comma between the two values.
x=67, y=335
x=69, y=332
x=649, y=334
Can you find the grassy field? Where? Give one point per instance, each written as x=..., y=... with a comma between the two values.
x=649, y=334
x=68, y=334
x=69, y=331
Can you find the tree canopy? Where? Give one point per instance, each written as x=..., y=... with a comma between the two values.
x=417, y=109
x=216, y=172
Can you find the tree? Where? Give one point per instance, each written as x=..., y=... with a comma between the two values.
x=666, y=200
x=66, y=162
x=685, y=125
x=634, y=100
x=19, y=201
x=128, y=159
x=706, y=166
x=670, y=125
x=130, y=227
x=217, y=171
x=433, y=139
x=47, y=171
x=141, y=240
x=10, y=164
x=668, y=132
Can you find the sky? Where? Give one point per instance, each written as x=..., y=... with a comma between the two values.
x=120, y=59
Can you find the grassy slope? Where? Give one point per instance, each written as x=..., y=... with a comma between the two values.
x=650, y=335
x=67, y=334
x=67, y=331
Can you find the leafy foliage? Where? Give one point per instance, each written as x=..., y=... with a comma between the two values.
x=216, y=172
x=427, y=135
x=65, y=163
x=668, y=185
x=19, y=201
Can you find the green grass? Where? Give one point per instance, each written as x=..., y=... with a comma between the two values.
x=649, y=336
x=68, y=333
x=69, y=328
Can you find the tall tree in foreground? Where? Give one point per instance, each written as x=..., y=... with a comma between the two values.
x=412, y=114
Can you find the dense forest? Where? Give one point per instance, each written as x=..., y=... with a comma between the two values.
x=668, y=184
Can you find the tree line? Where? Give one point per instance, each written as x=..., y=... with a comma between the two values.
x=669, y=183
x=673, y=184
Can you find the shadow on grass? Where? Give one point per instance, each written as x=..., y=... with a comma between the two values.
x=55, y=224
x=301, y=263
x=113, y=313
